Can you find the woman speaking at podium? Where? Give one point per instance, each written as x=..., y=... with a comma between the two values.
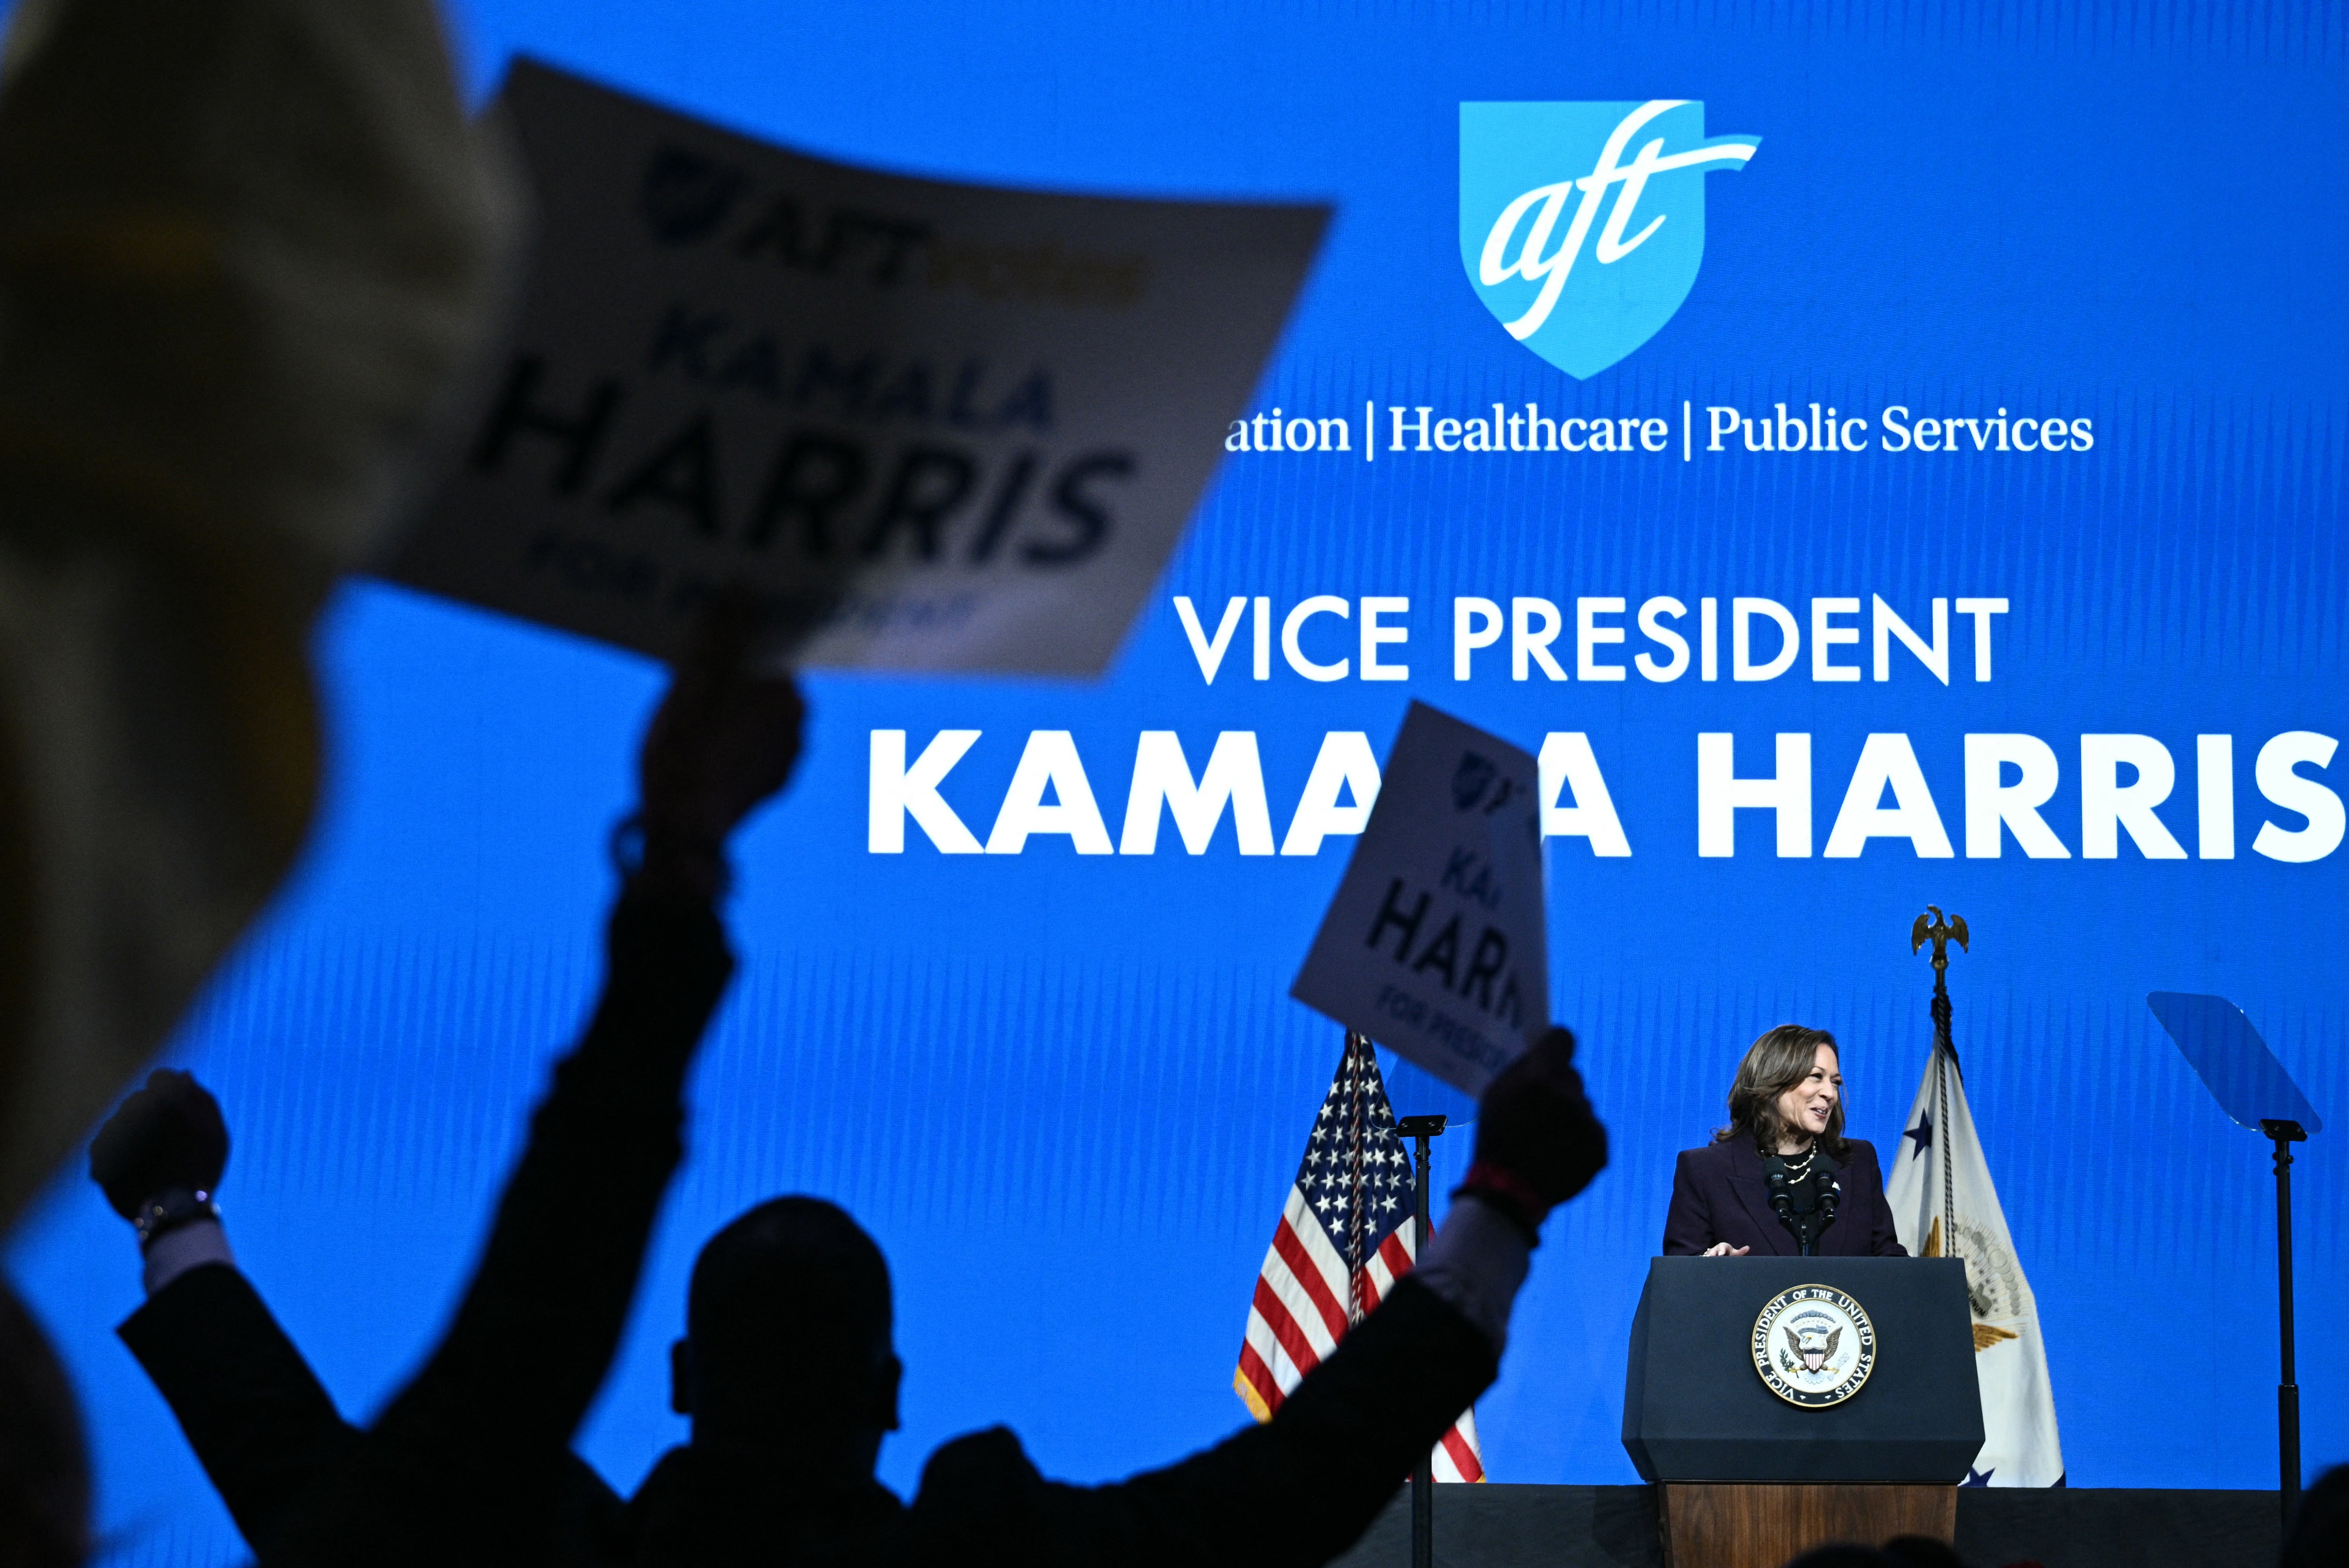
x=1781, y=1179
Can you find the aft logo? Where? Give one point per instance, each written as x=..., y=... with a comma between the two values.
x=1528, y=212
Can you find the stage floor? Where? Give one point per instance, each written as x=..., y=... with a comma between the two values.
x=2066, y=1527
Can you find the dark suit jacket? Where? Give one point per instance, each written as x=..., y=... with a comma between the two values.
x=472, y=1462
x=1720, y=1194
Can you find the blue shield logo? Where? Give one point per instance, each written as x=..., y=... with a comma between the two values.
x=1582, y=224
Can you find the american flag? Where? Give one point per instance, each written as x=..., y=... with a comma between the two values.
x=1348, y=1230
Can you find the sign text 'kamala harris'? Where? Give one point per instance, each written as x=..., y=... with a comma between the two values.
x=1435, y=945
x=934, y=427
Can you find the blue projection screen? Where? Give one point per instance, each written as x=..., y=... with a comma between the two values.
x=1968, y=450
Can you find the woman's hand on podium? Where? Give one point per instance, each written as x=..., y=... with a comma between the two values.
x=1724, y=1250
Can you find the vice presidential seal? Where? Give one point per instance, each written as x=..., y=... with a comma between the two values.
x=1813, y=1346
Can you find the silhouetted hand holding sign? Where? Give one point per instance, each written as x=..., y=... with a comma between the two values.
x=1539, y=1142
x=724, y=738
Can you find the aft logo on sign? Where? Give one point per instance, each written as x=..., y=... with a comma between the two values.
x=1582, y=224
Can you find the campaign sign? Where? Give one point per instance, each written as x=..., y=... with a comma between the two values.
x=1435, y=944
x=933, y=427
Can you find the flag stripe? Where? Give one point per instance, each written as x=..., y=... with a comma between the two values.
x=1299, y=1216
x=1266, y=1346
x=1387, y=1265
x=1302, y=1313
x=1256, y=1378
x=1317, y=1290
x=1284, y=1327
x=1462, y=1454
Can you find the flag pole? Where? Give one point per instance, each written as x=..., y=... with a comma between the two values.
x=1420, y=1128
x=1940, y=932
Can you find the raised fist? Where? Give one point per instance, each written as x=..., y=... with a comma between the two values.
x=1535, y=1132
x=167, y=1135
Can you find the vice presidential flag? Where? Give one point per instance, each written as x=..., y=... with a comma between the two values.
x=1348, y=1230
x=1944, y=1205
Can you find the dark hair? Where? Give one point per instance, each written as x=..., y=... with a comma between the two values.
x=789, y=1319
x=1841, y=1554
x=1921, y=1551
x=44, y=1468
x=1775, y=1063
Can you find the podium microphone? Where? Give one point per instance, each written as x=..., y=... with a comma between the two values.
x=1782, y=1200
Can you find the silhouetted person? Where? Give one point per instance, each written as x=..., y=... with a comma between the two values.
x=788, y=1375
x=1901, y=1552
x=787, y=1349
x=43, y=1466
x=471, y=1461
x=1921, y=1551
x=1842, y=1554
x=787, y=1367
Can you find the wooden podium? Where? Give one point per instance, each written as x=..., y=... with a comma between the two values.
x=1752, y=1469
x=1737, y=1524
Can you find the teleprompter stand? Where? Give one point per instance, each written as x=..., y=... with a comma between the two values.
x=2286, y=1134
x=1744, y=1479
x=2255, y=1091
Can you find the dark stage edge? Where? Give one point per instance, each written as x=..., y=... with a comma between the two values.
x=2065, y=1527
